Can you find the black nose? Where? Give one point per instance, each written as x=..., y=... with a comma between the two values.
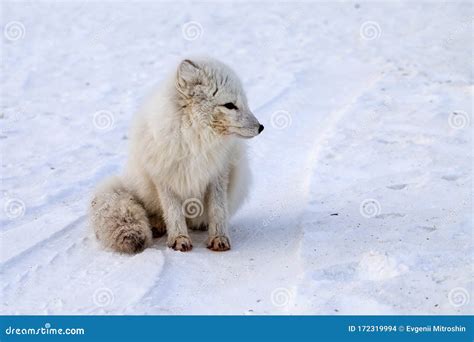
x=260, y=129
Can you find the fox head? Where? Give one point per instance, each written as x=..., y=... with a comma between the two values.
x=212, y=96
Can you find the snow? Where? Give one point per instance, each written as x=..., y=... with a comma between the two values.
x=362, y=195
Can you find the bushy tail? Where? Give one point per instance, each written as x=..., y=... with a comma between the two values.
x=119, y=219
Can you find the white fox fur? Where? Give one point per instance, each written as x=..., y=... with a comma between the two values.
x=186, y=165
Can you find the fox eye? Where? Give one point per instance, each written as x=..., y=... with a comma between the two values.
x=230, y=105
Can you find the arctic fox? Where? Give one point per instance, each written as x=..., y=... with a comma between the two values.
x=186, y=167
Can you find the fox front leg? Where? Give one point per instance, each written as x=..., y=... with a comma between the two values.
x=178, y=237
x=218, y=216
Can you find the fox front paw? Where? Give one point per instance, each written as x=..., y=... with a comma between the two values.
x=180, y=243
x=218, y=243
x=158, y=226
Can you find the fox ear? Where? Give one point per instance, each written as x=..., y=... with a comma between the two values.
x=187, y=77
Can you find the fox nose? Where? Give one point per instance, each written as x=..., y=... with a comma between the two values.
x=260, y=129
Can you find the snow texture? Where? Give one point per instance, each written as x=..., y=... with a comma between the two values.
x=362, y=195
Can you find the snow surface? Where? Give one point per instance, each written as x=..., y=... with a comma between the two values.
x=362, y=196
